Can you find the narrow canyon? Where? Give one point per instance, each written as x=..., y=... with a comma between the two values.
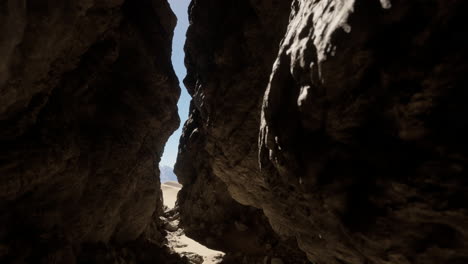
x=320, y=131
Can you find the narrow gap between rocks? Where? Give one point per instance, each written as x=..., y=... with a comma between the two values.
x=176, y=238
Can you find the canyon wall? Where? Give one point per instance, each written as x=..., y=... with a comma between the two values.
x=87, y=101
x=228, y=56
x=339, y=124
x=343, y=121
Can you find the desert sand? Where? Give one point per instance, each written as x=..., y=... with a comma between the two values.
x=170, y=190
x=177, y=240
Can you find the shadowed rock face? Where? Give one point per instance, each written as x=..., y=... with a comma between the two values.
x=224, y=76
x=344, y=127
x=87, y=100
x=212, y=217
x=362, y=143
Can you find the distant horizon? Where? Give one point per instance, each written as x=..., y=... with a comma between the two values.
x=167, y=174
x=180, y=9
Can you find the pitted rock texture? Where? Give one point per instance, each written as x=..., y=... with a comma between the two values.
x=362, y=147
x=87, y=101
x=209, y=215
x=244, y=41
x=225, y=77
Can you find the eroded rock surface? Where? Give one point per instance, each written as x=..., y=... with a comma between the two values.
x=87, y=100
x=224, y=74
x=362, y=143
x=210, y=216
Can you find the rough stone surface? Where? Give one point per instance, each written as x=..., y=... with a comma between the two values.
x=210, y=216
x=362, y=142
x=87, y=100
x=242, y=45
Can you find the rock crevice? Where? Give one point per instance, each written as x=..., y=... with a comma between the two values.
x=343, y=123
x=328, y=131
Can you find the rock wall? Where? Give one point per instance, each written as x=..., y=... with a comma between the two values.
x=361, y=154
x=226, y=71
x=209, y=215
x=87, y=101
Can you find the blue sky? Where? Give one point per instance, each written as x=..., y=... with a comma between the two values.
x=180, y=8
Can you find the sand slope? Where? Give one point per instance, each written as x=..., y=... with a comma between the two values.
x=177, y=240
x=170, y=190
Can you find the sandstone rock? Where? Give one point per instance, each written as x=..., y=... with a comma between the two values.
x=87, y=100
x=194, y=258
x=171, y=227
x=225, y=73
x=362, y=140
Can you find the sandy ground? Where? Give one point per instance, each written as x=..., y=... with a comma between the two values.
x=170, y=190
x=177, y=239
